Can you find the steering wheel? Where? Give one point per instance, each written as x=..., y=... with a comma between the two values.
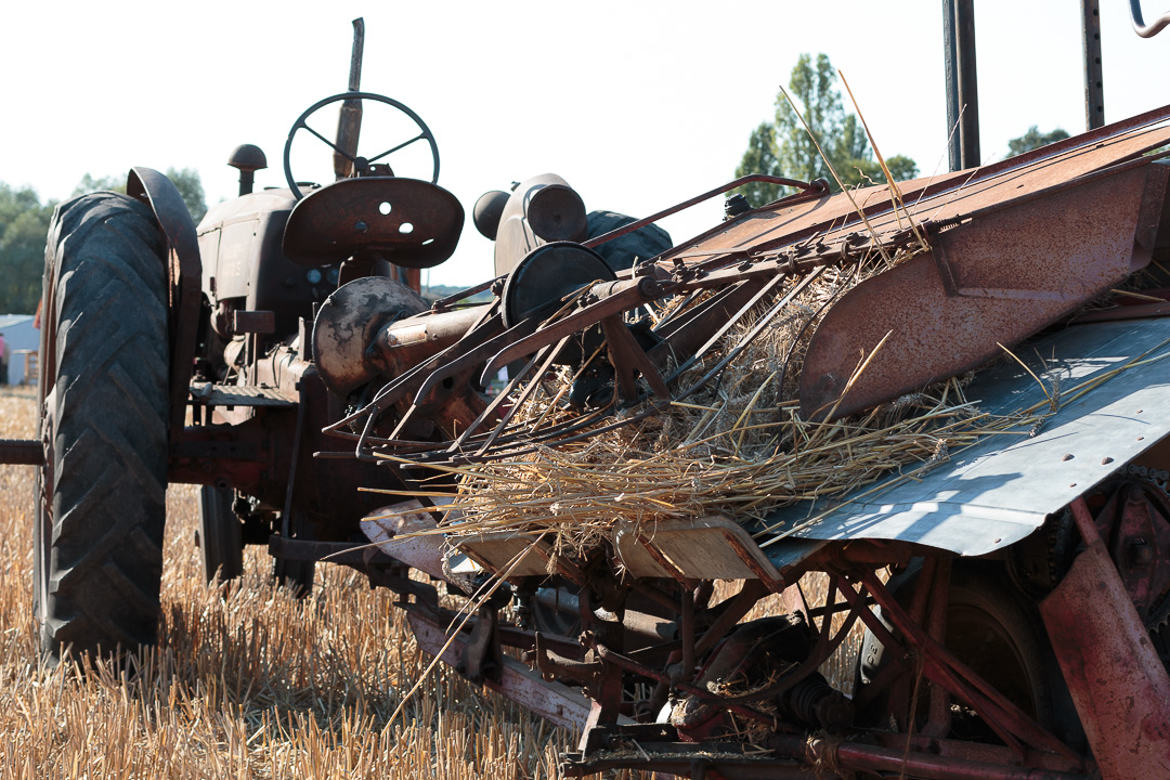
x=360, y=164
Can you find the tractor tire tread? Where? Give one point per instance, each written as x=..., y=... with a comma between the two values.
x=109, y=412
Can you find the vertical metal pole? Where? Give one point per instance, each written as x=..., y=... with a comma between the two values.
x=951, y=65
x=968, y=86
x=1094, y=80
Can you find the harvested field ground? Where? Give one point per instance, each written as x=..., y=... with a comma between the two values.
x=245, y=684
x=251, y=683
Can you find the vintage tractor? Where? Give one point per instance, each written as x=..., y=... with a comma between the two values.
x=216, y=355
x=180, y=354
x=1014, y=594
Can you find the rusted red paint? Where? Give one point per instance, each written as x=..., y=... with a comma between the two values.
x=1139, y=517
x=1118, y=684
x=411, y=223
x=935, y=198
x=993, y=281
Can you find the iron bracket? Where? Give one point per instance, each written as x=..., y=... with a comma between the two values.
x=483, y=658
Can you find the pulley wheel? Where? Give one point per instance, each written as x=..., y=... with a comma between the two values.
x=540, y=282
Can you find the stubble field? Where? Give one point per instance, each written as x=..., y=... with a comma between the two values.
x=244, y=684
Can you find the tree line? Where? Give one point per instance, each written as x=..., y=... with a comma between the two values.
x=824, y=141
x=24, y=224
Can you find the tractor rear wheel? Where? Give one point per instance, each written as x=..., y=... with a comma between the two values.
x=993, y=629
x=103, y=422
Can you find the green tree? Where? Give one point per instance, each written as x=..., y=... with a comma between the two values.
x=760, y=157
x=785, y=148
x=902, y=168
x=91, y=183
x=191, y=189
x=186, y=181
x=24, y=222
x=813, y=88
x=1034, y=139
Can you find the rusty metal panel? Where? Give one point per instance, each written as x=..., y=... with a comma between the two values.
x=994, y=281
x=999, y=490
x=412, y=223
x=1013, y=247
x=184, y=272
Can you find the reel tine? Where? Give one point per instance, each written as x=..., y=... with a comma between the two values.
x=526, y=393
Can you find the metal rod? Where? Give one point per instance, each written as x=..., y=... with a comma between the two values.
x=1084, y=520
x=939, y=722
x=286, y=512
x=968, y=93
x=630, y=665
x=916, y=764
x=688, y=634
x=826, y=643
x=533, y=384
x=349, y=118
x=1094, y=90
x=730, y=323
x=21, y=452
x=951, y=67
x=942, y=667
x=807, y=189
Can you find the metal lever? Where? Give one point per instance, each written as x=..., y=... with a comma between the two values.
x=349, y=120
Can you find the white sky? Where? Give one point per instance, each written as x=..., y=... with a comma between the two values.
x=638, y=105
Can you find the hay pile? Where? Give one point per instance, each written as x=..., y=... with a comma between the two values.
x=737, y=447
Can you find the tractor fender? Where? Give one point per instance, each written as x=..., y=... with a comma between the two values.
x=184, y=272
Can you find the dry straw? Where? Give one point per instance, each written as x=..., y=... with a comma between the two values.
x=737, y=448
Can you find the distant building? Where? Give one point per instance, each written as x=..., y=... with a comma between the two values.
x=20, y=334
